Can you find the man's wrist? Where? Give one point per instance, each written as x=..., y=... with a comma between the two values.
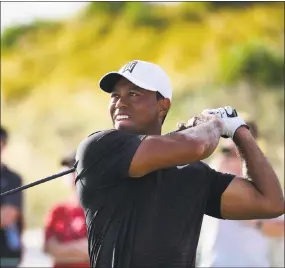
x=240, y=133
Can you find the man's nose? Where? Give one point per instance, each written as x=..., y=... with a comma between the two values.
x=122, y=102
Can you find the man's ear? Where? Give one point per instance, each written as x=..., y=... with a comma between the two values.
x=164, y=106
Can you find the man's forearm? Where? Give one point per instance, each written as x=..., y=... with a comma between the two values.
x=260, y=170
x=186, y=146
x=209, y=134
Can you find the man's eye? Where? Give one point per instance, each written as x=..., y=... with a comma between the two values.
x=114, y=95
x=133, y=94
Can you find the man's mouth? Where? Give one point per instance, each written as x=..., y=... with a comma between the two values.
x=121, y=117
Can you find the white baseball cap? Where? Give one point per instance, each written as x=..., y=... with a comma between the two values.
x=143, y=74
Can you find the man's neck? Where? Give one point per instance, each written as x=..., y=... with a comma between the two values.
x=156, y=130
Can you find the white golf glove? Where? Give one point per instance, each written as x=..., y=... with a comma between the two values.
x=230, y=118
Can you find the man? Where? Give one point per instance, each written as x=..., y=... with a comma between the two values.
x=11, y=213
x=65, y=229
x=233, y=243
x=145, y=194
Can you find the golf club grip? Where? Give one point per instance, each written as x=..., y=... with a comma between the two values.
x=21, y=188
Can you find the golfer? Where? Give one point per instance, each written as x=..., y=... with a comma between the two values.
x=144, y=194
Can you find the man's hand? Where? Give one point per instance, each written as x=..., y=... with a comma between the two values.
x=230, y=118
x=204, y=117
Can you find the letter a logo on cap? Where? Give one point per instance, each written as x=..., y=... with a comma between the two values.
x=130, y=66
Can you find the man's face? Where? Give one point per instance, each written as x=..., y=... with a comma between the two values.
x=134, y=109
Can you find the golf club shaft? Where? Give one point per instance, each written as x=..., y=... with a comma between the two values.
x=52, y=177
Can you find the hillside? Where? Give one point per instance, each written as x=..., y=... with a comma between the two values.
x=215, y=54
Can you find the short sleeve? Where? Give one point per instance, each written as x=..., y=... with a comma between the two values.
x=104, y=158
x=219, y=183
x=15, y=199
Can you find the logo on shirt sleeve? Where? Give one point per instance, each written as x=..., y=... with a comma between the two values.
x=183, y=166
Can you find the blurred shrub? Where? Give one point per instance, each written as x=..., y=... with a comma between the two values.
x=255, y=63
x=110, y=8
x=231, y=4
x=143, y=14
x=134, y=13
x=193, y=11
x=13, y=34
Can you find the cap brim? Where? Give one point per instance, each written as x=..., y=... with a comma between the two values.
x=109, y=80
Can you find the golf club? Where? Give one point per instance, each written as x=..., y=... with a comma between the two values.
x=52, y=177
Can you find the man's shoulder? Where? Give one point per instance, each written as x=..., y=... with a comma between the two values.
x=107, y=139
x=101, y=145
x=94, y=137
x=100, y=133
x=111, y=133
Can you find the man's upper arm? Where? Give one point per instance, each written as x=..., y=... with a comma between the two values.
x=242, y=201
x=105, y=157
x=119, y=154
x=160, y=152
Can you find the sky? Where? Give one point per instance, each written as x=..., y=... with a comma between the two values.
x=24, y=12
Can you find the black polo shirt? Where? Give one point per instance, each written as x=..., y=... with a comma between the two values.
x=10, y=237
x=148, y=222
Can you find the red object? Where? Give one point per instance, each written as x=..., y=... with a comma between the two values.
x=66, y=223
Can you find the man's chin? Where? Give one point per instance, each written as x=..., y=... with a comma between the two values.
x=125, y=126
